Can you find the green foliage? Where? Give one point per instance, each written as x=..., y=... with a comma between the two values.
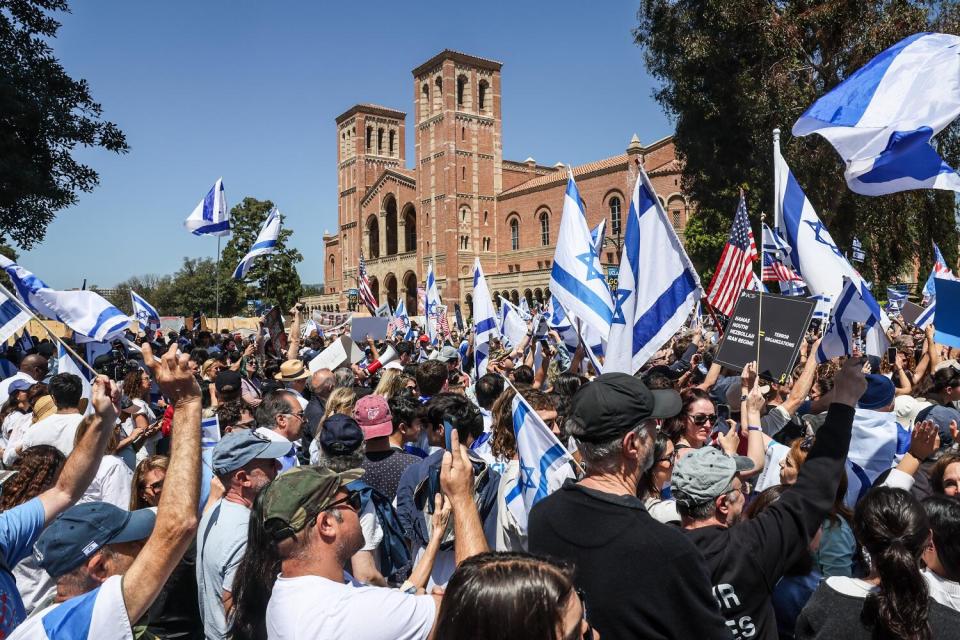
x=733, y=70
x=272, y=278
x=191, y=288
x=44, y=115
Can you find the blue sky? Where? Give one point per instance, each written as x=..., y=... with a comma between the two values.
x=249, y=91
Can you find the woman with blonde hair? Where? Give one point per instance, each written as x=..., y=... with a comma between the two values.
x=392, y=383
x=341, y=400
x=147, y=484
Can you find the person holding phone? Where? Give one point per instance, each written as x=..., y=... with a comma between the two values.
x=141, y=428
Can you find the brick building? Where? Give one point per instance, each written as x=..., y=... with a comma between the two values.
x=461, y=199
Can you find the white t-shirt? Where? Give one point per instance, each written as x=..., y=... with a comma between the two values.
x=101, y=613
x=14, y=426
x=371, y=528
x=311, y=607
x=112, y=483
x=946, y=592
x=148, y=446
x=58, y=430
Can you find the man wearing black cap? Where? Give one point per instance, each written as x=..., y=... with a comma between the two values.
x=641, y=578
x=125, y=580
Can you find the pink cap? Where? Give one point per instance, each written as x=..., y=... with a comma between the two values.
x=372, y=413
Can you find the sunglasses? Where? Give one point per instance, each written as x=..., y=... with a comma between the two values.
x=156, y=486
x=352, y=501
x=588, y=633
x=700, y=419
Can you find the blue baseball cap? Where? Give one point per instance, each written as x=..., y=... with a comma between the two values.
x=83, y=529
x=238, y=448
x=18, y=385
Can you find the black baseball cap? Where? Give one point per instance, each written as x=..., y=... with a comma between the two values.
x=83, y=529
x=227, y=380
x=615, y=403
x=340, y=435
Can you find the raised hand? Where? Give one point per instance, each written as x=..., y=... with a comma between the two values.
x=173, y=375
x=851, y=381
x=925, y=440
x=102, y=396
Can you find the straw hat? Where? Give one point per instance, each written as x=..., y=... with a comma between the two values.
x=43, y=407
x=292, y=370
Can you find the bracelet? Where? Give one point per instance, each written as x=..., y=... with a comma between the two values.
x=749, y=428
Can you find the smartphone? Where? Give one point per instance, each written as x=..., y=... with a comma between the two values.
x=723, y=413
x=891, y=355
x=448, y=426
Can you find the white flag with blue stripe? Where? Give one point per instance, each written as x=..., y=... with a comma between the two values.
x=401, y=321
x=812, y=252
x=927, y=316
x=657, y=288
x=12, y=319
x=854, y=305
x=512, y=327
x=939, y=270
x=85, y=312
x=881, y=119
x=265, y=243
x=432, y=306
x=209, y=432
x=211, y=217
x=558, y=321
x=544, y=463
x=484, y=319
x=576, y=279
x=598, y=234
x=145, y=313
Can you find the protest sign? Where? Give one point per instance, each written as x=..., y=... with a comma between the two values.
x=277, y=345
x=342, y=352
x=948, y=312
x=782, y=321
x=376, y=328
x=910, y=312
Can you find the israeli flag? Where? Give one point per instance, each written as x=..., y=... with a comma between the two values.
x=854, y=305
x=881, y=119
x=576, y=279
x=927, y=316
x=895, y=299
x=211, y=217
x=512, y=327
x=431, y=308
x=877, y=443
x=12, y=319
x=146, y=315
x=265, y=243
x=598, y=234
x=525, y=308
x=86, y=312
x=402, y=323
x=939, y=270
x=812, y=252
x=484, y=319
x=544, y=463
x=657, y=288
x=558, y=321
x=209, y=432
x=66, y=364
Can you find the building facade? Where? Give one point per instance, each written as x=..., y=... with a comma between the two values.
x=459, y=199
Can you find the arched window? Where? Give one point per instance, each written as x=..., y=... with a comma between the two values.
x=438, y=94
x=331, y=270
x=410, y=228
x=425, y=101
x=463, y=133
x=393, y=135
x=380, y=141
x=373, y=237
x=615, y=220
x=544, y=228
x=482, y=95
x=390, y=207
x=514, y=234
x=461, y=86
x=369, y=139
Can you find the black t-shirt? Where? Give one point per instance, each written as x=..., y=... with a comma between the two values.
x=384, y=468
x=641, y=578
x=747, y=560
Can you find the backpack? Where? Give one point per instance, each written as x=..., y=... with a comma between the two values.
x=395, y=560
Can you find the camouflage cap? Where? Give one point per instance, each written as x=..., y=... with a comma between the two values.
x=290, y=501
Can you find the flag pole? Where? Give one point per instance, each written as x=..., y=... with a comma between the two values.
x=49, y=331
x=217, y=321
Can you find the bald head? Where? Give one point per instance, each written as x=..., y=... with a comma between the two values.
x=34, y=366
x=322, y=382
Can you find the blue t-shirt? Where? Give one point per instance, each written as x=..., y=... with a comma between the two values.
x=19, y=529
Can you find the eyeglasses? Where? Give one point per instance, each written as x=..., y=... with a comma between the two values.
x=155, y=486
x=700, y=419
x=670, y=458
x=295, y=415
x=352, y=501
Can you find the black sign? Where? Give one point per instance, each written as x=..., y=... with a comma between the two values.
x=910, y=312
x=782, y=322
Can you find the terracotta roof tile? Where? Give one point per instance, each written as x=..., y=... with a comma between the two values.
x=560, y=176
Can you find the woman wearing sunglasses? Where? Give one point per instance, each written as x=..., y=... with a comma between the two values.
x=512, y=596
x=692, y=427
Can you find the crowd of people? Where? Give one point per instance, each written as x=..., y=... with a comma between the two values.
x=205, y=486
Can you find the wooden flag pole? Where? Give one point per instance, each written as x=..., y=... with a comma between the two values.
x=49, y=331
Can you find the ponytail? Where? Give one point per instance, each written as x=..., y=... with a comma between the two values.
x=254, y=580
x=892, y=527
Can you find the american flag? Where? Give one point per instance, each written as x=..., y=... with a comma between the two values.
x=776, y=271
x=735, y=269
x=366, y=294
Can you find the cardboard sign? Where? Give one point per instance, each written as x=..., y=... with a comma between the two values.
x=947, y=320
x=910, y=312
x=342, y=352
x=376, y=328
x=277, y=345
x=781, y=322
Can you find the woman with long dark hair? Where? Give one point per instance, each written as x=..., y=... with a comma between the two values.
x=894, y=600
x=512, y=596
x=692, y=427
x=656, y=478
x=253, y=582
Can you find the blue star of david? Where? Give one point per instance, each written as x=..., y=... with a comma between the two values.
x=622, y=295
x=526, y=477
x=817, y=229
x=589, y=259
